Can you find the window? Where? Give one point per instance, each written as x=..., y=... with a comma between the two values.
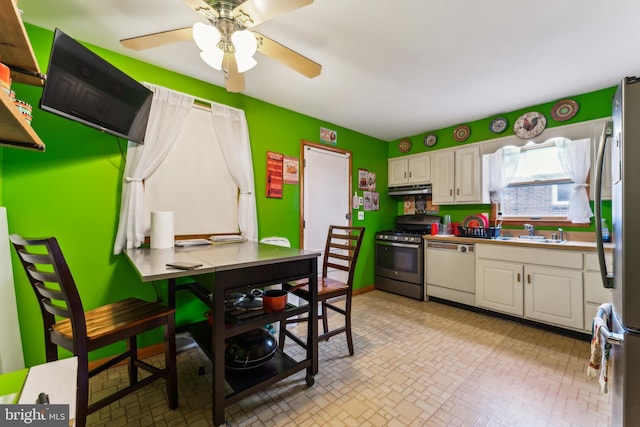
x=540, y=187
x=205, y=197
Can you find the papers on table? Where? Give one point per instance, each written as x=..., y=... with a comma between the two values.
x=192, y=242
x=220, y=238
x=226, y=238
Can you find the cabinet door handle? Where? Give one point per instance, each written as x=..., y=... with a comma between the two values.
x=405, y=174
x=410, y=175
x=457, y=191
x=528, y=278
x=518, y=278
x=450, y=192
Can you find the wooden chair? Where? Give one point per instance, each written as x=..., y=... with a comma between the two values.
x=341, y=253
x=81, y=332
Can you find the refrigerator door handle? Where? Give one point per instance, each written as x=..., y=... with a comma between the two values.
x=611, y=337
x=607, y=278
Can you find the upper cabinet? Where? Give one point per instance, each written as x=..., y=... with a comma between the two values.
x=457, y=176
x=414, y=169
x=16, y=52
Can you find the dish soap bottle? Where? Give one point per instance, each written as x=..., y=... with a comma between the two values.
x=606, y=237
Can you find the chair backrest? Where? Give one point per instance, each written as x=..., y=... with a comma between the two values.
x=277, y=241
x=52, y=282
x=342, y=250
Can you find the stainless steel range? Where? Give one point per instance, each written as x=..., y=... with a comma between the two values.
x=400, y=256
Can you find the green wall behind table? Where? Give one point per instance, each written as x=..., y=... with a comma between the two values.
x=72, y=191
x=592, y=105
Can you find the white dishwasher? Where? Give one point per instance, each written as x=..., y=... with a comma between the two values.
x=451, y=271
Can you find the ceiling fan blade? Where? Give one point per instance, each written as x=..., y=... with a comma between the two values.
x=288, y=57
x=202, y=7
x=254, y=12
x=158, y=39
x=234, y=79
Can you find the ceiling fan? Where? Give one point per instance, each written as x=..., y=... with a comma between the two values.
x=227, y=43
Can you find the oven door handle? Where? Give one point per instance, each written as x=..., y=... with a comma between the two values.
x=401, y=245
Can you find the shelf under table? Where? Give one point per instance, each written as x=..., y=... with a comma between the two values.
x=244, y=382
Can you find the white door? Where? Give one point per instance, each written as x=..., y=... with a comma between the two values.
x=326, y=195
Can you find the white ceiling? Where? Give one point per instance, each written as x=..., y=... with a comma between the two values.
x=394, y=68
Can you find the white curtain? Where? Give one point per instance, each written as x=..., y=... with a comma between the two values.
x=575, y=158
x=502, y=167
x=231, y=128
x=168, y=110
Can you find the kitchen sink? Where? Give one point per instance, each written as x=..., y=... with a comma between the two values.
x=533, y=237
x=542, y=239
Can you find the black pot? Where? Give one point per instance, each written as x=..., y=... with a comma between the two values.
x=250, y=349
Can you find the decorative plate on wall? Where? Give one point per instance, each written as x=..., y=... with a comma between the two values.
x=430, y=140
x=498, y=125
x=404, y=145
x=529, y=125
x=564, y=110
x=461, y=133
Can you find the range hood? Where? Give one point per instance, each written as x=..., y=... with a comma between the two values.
x=410, y=190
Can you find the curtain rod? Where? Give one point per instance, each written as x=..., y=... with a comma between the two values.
x=200, y=101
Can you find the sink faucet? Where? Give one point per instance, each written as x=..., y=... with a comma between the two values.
x=530, y=229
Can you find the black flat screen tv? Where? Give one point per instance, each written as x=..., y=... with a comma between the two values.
x=82, y=86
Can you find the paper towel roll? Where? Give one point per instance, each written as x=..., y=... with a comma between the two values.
x=161, y=230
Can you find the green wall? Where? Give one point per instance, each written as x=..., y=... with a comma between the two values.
x=592, y=105
x=72, y=191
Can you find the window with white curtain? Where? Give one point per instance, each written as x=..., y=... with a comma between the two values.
x=540, y=187
x=194, y=182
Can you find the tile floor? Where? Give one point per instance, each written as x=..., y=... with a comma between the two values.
x=415, y=364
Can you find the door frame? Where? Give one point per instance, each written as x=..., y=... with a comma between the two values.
x=303, y=144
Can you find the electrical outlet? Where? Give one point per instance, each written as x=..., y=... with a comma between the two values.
x=360, y=215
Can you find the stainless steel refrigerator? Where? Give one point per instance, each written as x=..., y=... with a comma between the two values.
x=624, y=335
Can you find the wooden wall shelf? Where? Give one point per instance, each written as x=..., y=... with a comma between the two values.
x=15, y=48
x=16, y=52
x=14, y=129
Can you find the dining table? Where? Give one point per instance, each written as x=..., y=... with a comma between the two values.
x=223, y=269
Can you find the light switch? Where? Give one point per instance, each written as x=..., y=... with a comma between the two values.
x=361, y=201
x=360, y=215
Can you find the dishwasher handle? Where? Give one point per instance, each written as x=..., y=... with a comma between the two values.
x=456, y=247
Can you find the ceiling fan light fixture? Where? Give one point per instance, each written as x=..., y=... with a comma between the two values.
x=205, y=36
x=244, y=42
x=244, y=63
x=213, y=57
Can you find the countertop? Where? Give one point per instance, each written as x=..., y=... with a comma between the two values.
x=569, y=245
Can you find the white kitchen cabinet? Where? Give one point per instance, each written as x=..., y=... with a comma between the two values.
x=538, y=284
x=499, y=286
x=594, y=293
x=457, y=176
x=414, y=169
x=553, y=295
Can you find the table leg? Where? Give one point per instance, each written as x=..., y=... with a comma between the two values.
x=171, y=293
x=217, y=341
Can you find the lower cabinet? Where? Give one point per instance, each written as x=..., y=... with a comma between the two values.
x=499, y=286
x=531, y=283
x=553, y=295
x=594, y=293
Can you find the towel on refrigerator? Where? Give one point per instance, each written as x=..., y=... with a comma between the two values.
x=599, y=360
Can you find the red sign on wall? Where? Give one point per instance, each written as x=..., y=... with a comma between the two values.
x=274, y=174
